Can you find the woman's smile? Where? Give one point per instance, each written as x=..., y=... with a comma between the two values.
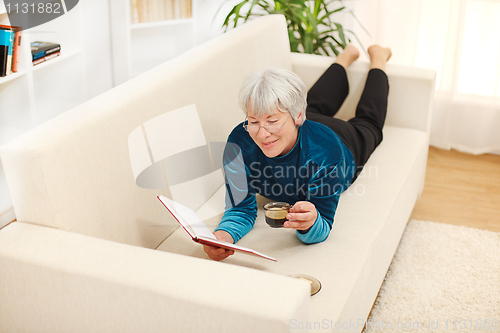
x=269, y=144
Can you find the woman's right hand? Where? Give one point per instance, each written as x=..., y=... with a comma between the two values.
x=219, y=253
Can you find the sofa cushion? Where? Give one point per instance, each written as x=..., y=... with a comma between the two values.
x=370, y=220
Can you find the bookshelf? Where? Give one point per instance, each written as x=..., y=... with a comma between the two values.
x=38, y=93
x=141, y=41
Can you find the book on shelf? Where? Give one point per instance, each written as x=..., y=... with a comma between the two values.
x=5, y=44
x=45, y=58
x=143, y=11
x=185, y=8
x=8, y=70
x=43, y=49
x=11, y=37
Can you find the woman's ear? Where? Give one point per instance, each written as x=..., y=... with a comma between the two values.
x=298, y=121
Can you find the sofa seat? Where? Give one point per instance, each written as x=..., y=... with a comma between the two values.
x=352, y=262
x=60, y=281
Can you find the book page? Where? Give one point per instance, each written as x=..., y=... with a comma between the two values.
x=187, y=218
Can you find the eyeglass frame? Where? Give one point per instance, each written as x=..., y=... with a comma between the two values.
x=245, y=126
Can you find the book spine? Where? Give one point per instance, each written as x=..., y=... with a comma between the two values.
x=142, y=11
x=44, y=59
x=41, y=54
x=170, y=10
x=134, y=11
x=17, y=50
x=9, y=54
x=4, y=51
x=154, y=11
x=185, y=8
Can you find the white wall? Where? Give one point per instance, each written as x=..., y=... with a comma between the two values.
x=210, y=15
x=97, y=45
x=206, y=27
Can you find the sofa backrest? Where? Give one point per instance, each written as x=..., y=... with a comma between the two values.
x=74, y=171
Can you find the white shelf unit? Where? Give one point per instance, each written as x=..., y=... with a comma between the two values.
x=138, y=47
x=38, y=93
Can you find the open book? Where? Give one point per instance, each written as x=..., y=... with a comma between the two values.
x=198, y=231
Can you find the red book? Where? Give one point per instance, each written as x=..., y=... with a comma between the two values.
x=198, y=231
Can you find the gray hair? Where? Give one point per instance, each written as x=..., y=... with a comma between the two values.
x=273, y=88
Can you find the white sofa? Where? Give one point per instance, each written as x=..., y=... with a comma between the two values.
x=93, y=252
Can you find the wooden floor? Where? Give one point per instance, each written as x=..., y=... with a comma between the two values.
x=461, y=189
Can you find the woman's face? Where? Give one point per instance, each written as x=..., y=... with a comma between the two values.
x=279, y=143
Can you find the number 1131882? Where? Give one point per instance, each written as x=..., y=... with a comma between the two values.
x=35, y=8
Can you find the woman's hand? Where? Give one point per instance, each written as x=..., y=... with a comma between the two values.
x=219, y=253
x=301, y=216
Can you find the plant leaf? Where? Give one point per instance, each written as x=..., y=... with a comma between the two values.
x=311, y=28
x=340, y=30
x=334, y=49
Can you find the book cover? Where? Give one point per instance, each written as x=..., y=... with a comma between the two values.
x=4, y=51
x=198, y=231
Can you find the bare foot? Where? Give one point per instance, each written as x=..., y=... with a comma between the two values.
x=348, y=55
x=379, y=56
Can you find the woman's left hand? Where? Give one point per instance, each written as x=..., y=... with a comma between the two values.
x=301, y=216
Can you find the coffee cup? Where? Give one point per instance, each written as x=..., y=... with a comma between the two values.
x=275, y=213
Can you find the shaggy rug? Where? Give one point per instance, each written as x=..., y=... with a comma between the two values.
x=443, y=278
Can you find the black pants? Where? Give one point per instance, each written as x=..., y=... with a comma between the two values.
x=363, y=133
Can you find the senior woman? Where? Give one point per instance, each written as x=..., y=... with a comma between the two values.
x=280, y=155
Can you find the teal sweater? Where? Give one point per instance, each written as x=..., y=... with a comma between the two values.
x=317, y=169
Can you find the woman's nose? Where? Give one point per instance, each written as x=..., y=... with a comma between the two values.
x=262, y=132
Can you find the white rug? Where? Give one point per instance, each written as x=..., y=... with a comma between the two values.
x=443, y=278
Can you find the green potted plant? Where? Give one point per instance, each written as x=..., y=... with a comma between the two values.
x=310, y=25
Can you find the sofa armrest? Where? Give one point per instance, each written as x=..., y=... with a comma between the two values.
x=53, y=280
x=411, y=93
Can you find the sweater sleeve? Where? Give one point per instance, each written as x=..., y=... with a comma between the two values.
x=318, y=233
x=324, y=192
x=241, y=204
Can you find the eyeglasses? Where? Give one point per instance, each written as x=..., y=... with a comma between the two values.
x=271, y=128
